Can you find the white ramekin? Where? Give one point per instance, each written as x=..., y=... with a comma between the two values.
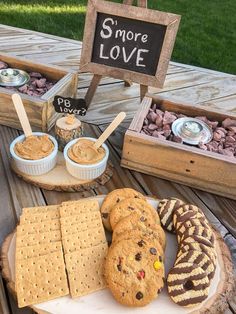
x=35, y=167
x=85, y=172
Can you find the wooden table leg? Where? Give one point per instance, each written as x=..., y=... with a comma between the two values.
x=92, y=88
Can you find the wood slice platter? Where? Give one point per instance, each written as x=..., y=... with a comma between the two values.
x=221, y=290
x=59, y=179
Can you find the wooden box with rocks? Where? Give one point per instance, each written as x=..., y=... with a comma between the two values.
x=157, y=144
x=38, y=84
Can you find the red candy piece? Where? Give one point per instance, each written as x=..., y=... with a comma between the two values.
x=141, y=275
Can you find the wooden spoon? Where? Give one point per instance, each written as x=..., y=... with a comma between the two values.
x=20, y=110
x=114, y=124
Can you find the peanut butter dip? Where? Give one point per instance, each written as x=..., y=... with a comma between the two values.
x=83, y=152
x=34, y=147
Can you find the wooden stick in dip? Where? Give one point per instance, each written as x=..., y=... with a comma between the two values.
x=112, y=126
x=33, y=147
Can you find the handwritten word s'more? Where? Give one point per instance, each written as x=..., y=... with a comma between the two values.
x=110, y=30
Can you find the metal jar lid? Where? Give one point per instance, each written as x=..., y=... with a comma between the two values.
x=192, y=131
x=13, y=77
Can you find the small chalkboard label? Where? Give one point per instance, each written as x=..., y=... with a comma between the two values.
x=70, y=105
x=127, y=42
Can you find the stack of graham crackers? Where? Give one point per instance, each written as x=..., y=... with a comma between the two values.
x=57, y=245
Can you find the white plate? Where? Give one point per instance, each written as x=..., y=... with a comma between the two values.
x=103, y=301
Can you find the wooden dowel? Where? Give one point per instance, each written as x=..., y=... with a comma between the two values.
x=114, y=124
x=20, y=110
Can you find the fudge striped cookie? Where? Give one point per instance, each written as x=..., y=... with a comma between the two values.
x=188, y=284
x=199, y=258
x=191, y=223
x=184, y=213
x=166, y=208
x=131, y=205
x=196, y=246
x=205, y=232
x=199, y=239
x=112, y=199
x=134, y=271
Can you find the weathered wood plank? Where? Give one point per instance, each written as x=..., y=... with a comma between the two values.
x=21, y=49
x=173, y=82
x=103, y=109
x=8, y=217
x=4, y=309
x=220, y=104
x=223, y=87
x=66, y=59
x=223, y=208
x=26, y=32
x=231, y=242
x=5, y=31
x=21, y=193
x=26, y=39
x=210, y=71
x=16, y=310
x=85, y=78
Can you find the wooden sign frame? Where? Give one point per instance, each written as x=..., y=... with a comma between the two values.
x=171, y=21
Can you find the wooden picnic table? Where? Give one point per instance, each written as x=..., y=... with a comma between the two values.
x=184, y=83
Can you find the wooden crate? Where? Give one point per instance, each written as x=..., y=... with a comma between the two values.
x=40, y=110
x=188, y=165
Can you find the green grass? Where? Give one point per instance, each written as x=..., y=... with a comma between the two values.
x=206, y=37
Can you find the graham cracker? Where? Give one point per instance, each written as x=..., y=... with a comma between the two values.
x=39, y=227
x=83, y=226
x=85, y=270
x=37, y=250
x=83, y=239
x=78, y=219
x=36, y=239
x=32, y=218
x=38, y=210
x=40, y=279
x=78, y=207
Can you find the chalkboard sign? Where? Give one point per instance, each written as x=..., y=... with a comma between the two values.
x=70, y=105
x=127, y=42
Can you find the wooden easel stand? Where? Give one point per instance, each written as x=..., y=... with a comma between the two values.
x=97, y=78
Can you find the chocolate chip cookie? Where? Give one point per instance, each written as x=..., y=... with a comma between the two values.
x=134, y=271
x=112, y=199
x=157, y=237
x=131, y=205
